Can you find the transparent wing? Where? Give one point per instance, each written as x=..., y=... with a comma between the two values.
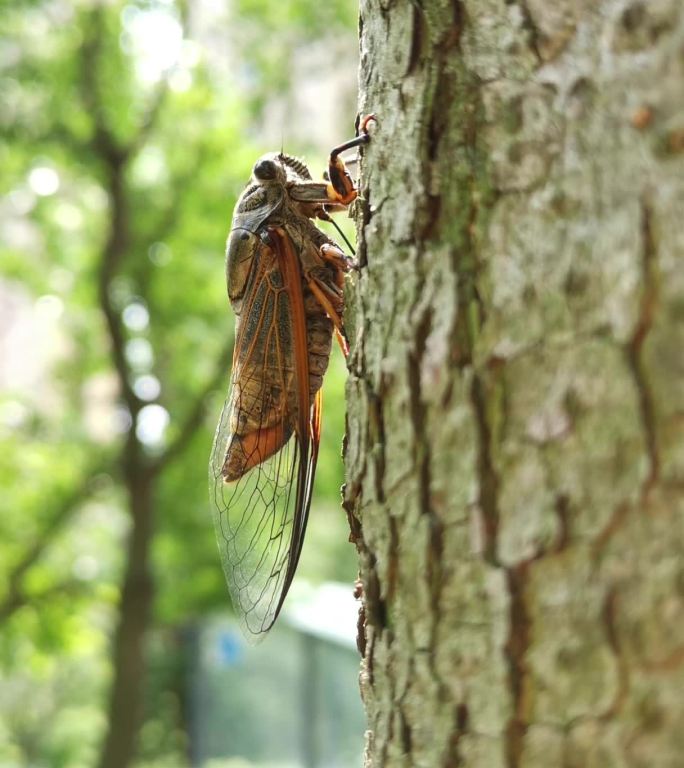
x=257, y=528
x=264, y=454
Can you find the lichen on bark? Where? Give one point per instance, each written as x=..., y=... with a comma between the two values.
x=513, y=457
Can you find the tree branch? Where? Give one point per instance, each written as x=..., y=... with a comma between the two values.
x=103, y=141
x=182, y=184
x=114, y=157
x=149, y=122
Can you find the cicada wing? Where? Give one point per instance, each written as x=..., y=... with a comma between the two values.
x=266, y=444
x=258, y=527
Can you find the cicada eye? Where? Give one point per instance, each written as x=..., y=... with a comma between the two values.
x=265, y=170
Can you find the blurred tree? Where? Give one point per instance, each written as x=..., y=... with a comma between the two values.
x=514, y=461
x=122, y=152
x=122, y=139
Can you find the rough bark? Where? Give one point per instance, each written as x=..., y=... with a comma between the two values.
x=515, y=473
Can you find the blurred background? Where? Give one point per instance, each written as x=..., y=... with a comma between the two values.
x=127, y=130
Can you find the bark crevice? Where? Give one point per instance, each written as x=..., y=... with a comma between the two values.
x=528, y=24
x=609, y=618
x=488, y=479
x=516, y=649
x=635, y=346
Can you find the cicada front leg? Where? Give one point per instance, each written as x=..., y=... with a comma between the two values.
x=339, y=191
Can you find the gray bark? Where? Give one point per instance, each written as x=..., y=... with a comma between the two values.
x=515, y=470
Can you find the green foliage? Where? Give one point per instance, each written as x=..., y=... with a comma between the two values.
x=270, y=31
x=68, y=72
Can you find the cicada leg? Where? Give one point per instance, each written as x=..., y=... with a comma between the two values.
x=337, y=259
x=341, y=187
x=339, y=191
x=332, y=304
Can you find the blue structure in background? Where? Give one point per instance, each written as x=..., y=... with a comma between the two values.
x=290, y=702
x=230, y=647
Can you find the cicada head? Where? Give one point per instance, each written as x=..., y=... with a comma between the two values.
x=263, y=195
x=268, y=170
x=272, y=175
x=279, y=168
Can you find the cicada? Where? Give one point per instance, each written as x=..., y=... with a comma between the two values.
x=285, y=284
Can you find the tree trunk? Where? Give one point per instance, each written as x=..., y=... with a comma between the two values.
x=126, y=697
x=515, y=472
